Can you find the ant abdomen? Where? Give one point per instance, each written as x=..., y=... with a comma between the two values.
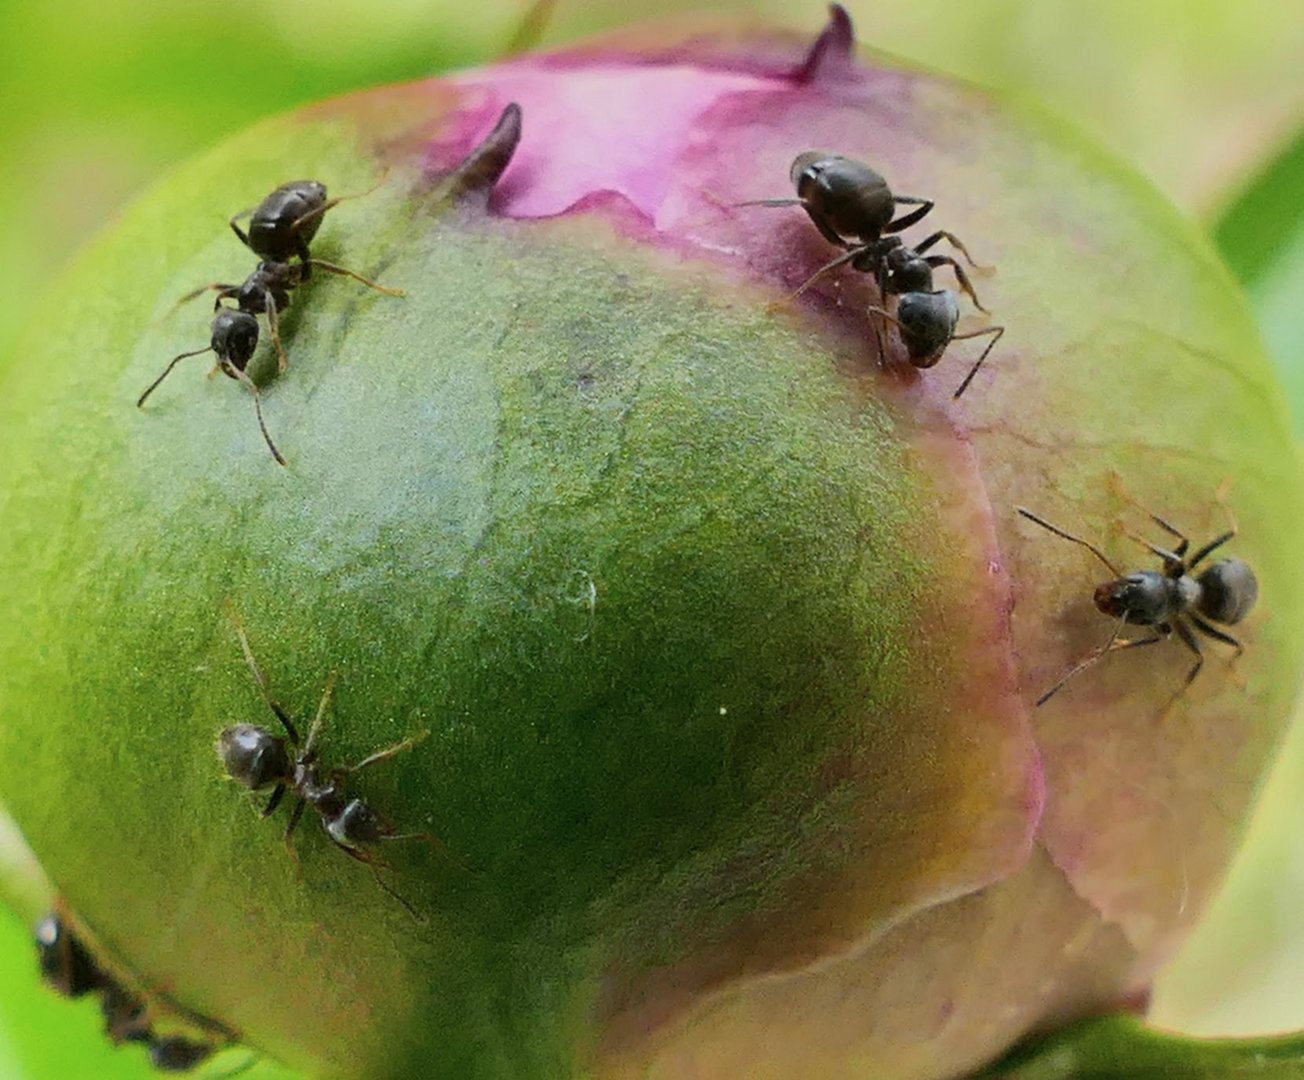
x=285, y=222
x=852, y=199
x=1228, y=590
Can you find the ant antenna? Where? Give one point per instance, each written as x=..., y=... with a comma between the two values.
x=140, y=401
x=248, y=384
x=331, y=268
x=1069, y=536
x=996, y=332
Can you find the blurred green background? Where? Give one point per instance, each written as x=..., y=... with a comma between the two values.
x=1205, y=96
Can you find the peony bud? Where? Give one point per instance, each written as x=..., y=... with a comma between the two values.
x=725, y=629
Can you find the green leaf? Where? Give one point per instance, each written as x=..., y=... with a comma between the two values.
x=1262, y=237
x=1123, y=1047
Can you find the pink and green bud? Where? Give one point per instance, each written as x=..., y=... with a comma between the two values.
x=725, y=630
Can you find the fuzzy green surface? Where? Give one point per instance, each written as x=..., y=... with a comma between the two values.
x=641, y=578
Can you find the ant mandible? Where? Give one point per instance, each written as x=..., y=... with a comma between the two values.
x=259, y=760
x=1168, y=600
x=234, y=339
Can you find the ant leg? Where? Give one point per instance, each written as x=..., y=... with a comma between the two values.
x=954, y=241
x=996, y=332
x=260, y=679
x=883, y=314
x=1209, y=548
x=239, y=231
x=1116, y=485
x=1114, y=646
x=333, y=269
x=274, y=801
x=945, y=260
x=819, y=223
x=768, y=202
x=430, y=838
x=373, y=864
x=906, y=220
x=291, y=825
x=1215, y=633
x=314, y=732
x=248, y=384
x=1189, y=640
x=1174, y=567
x=1069, y=536
x=274, y=328
x=1218, y=635
x=387, y=753
x=329, y=204
x=140, y=401
x=305, y=258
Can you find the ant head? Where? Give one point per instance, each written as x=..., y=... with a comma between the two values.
x=253, y=756
x=1144, y=598
x=357, y=825
x=176, y=1053
x=1228, y=590
x=927, y=323
x=64, y=962
x=235, y=336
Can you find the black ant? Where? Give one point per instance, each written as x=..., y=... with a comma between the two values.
x=234, y=339
x=284, y=223
x=852, y=207
x=1168, y=600
x=67, y=966
x=259, y=760
x=267, y=292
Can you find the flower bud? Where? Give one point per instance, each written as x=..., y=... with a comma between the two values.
x=722, y=622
